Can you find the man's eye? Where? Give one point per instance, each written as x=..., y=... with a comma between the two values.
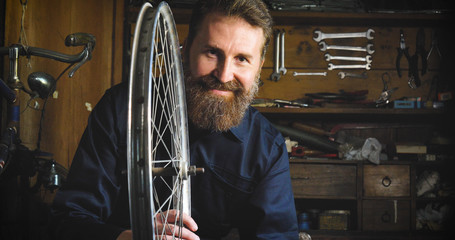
x=242, y=59
x=211, y=52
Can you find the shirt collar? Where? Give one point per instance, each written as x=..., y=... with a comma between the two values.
x=241, y=130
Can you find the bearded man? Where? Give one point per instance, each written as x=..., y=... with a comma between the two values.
x=246, y=184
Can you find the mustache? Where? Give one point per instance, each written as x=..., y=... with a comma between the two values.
x=210, y=82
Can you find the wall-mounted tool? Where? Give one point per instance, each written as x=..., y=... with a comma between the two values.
x=282, y=50
x=402, y=50
x=278, y=58
x=366, y=59
x=434, y=46
x=275, y=76
x=324, y=47
x=420, y=50
x=319, y=35
x=343, y=75
x=309, y=74
x=384, y=98
x=332, y=66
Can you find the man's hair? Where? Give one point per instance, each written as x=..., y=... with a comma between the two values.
x=254, y=12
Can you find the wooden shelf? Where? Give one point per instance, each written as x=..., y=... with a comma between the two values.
x=379, y=111
x=358, y=19
x=182, y=16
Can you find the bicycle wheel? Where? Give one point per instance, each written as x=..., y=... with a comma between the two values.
x=158, y=155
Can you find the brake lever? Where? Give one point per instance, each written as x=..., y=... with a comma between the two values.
x=86, y=58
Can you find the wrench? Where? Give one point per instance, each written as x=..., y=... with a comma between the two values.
x=282, y=68
x=342, y=75
x=275, y=76
x=308, y=74
x=321, y=36
x=329, y=57
x=369, y=48
x=358, y=66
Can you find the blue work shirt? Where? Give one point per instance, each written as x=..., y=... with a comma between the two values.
x=246, y=183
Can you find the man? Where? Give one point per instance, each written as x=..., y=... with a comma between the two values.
x=247, y=182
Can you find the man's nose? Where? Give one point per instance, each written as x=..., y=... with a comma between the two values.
x=224, y=72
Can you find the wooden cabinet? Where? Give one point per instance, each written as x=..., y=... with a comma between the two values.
x=386, y=181
x=324, y=181
x=386, y=200
x=376, y=200
x=386, y=215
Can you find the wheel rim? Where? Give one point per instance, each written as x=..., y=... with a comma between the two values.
x=158, y=155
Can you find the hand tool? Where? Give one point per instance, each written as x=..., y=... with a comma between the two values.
x=413, y=82
x=384, y=98
x=402, y=50
x=309, y=74
x=275, y=76
x=342, y=75
x=369, y=48
x=329, y=57
x=321, y=36
x=354, y=66
x=291, y=103
x=420, y=50
x=434, y=45
x=282, y=69
x=414, y=78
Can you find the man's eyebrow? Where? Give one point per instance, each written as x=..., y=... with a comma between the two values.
x=211, y=47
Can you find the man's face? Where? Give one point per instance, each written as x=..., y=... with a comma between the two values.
x=222, y=71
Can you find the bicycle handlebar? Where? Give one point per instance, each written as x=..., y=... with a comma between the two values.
x=61, y=57
x=75, y=39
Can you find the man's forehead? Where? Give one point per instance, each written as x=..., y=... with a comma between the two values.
x=220, y=24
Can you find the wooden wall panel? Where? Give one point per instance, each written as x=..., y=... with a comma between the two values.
x=47, y=23
x=303, y=54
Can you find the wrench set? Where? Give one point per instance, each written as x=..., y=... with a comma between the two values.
x=368, y=49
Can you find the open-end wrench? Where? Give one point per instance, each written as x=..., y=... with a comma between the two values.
x=309, y=74
x=343, y=75
x=282, y=69
x=354, y=66
x=369, y=48
x=275, y=76
x=321, y=36
x=366, y=59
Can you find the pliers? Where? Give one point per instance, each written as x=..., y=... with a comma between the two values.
x=402, y=50
x=420, y=50
x=414, y=80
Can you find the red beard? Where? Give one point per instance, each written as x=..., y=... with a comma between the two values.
x=215, y=112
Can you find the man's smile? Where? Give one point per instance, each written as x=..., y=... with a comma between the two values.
x=222, y=92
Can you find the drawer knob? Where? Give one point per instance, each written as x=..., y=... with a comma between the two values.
x=386, y=181
x=385, y=218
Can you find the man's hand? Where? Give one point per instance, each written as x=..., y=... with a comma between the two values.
x=187, y=232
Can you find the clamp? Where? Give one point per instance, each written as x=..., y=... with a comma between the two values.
x=386, y=93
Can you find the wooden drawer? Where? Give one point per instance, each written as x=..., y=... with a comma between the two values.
x=386, y=215
x=323, y=180
x=386, y=181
